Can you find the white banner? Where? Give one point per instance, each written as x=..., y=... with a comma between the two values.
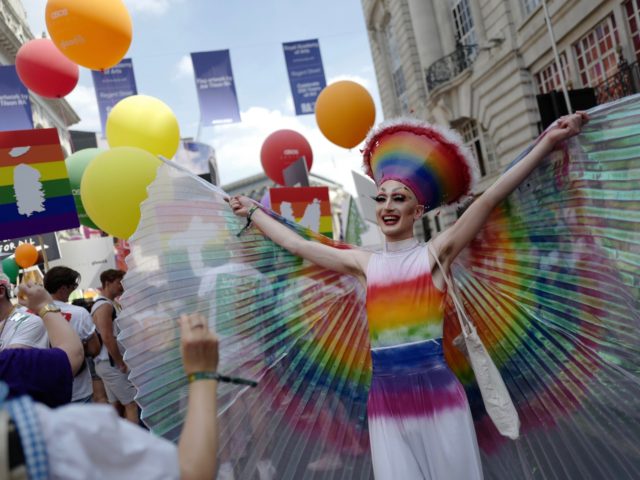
x=89, y=257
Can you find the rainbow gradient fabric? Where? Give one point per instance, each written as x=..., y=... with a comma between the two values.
x=431, y=161
x=403, y=304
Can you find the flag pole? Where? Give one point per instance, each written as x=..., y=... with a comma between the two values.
x=557, y=57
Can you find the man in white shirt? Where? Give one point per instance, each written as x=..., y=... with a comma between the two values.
x=19, y=328
x=60, y=282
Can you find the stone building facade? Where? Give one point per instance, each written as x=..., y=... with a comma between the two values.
x=478, y=66
x=47, y=113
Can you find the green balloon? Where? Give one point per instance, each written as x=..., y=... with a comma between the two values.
x=11, y=269
x=76, y=164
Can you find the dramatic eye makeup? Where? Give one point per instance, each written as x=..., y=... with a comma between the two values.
x=400, y=195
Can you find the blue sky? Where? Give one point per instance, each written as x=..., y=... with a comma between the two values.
x=167, y=31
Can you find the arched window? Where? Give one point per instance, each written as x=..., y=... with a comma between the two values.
x=463, y=22
x=479, y=142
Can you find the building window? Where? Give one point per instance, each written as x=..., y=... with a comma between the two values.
x=548, y=79
x=480, y=144
x=463, y=22
x=632, y=8
x=529, y=6
x=597, y=53
x=395, y=63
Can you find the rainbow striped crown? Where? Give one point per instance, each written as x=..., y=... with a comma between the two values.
x=432, y=161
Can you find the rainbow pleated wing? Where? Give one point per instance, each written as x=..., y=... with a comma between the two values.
x=552, y=283
x=297, y=329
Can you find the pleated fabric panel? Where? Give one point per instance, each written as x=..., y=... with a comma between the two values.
x=552, y=282
x=297, y=329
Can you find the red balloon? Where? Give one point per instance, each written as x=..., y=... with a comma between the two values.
x=45, y=70
x=281, y=149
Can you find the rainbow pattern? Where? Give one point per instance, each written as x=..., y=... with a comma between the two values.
x=432, y=163
x=300, y=200
x=403, y=305
x=58, y=211
x=551, y=283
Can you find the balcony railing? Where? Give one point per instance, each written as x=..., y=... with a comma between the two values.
x=449, y=67
x=626, y=81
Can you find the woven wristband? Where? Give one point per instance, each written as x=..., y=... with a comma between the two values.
x=251, y=212
x=192, y=377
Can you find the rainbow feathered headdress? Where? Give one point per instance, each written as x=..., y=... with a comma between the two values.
x=431, y=160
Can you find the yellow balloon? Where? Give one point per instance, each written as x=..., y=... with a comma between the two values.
x=95, y=34
x=345, y=112
x=144, y=122
x=113, y=186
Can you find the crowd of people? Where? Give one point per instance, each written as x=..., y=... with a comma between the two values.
x=59, y=363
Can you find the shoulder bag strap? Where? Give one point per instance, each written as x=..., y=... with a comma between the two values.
x=465, y=323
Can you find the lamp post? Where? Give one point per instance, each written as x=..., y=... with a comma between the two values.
x=557, y=57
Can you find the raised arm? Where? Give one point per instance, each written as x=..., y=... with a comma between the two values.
x=453, y=240
x=352, y=262
x=199, y=438
x=61, y=334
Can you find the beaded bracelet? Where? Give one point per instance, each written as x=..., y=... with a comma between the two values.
x=192, y=377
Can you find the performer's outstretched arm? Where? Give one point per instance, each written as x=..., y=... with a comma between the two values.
x=352, y=262
x=453, y=240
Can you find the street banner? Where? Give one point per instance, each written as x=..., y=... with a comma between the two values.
x=215, y=86
x=306, y=73
x=308, y=206
x=15, y=107
x=49, y=241
x=35, y=195
x=112, y=85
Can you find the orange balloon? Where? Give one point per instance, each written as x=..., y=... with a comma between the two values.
x=26, y=255
x=95, y=34
x=345, y=113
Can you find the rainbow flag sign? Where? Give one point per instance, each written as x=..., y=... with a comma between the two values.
x=308, y=206
x=35, y=195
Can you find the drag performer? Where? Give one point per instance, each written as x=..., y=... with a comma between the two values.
x=420, y=424
x=347, y=346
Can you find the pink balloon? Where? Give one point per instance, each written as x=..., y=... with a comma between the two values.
x=45, y=70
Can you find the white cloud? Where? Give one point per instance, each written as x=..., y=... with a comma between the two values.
x=153, y=7
x=184, y=67
x=83, y=100
x=354, y=78
x=238, y=147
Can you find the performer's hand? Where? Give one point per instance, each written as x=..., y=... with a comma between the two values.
x=566, y=127
x=199, y=346
x=33, y=296
x=240, y=205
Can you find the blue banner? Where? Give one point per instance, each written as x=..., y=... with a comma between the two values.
x=15, y=107
x=216, y=89
x=306, y=74
x=113, y=85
